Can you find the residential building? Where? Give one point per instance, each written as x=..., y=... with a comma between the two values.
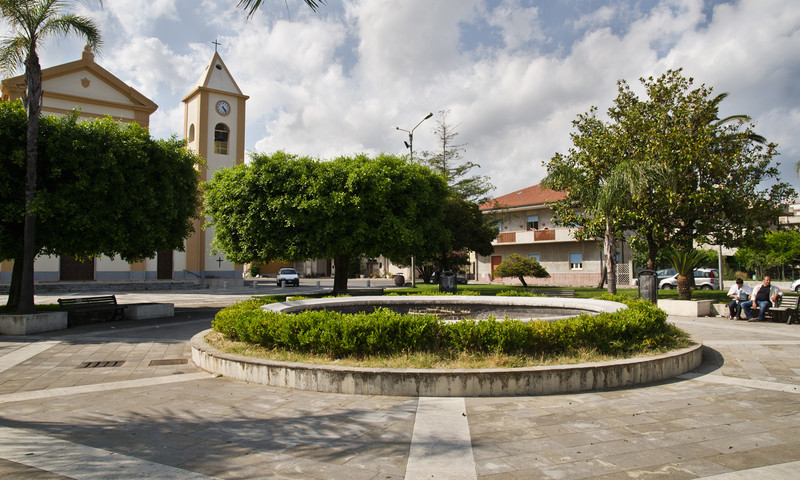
x=526, y=226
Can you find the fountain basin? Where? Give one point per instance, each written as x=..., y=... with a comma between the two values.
x=448, y=382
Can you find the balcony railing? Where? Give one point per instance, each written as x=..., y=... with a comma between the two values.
x=531, y=236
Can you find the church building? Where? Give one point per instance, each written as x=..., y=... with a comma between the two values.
x=214, y=120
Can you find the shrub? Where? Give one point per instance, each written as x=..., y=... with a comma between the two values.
x=640, y=327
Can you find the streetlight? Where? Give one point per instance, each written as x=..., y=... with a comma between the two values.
x=410, y=142
x=410, y=147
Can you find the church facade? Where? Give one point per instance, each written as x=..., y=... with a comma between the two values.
x=214, y=119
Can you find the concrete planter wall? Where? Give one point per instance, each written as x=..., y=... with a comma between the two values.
x=33, y=323
x=446, y=383
x=687, y=308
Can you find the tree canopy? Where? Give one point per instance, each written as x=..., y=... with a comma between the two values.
x=690, y=176
x=293, y=208
x=105, y=188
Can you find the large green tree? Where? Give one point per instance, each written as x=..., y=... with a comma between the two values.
x=697, y=178
x=104, y=189
x=293, y=208
x=599, y=187
x=31, y=22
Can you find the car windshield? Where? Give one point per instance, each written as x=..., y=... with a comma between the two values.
x=288, y=271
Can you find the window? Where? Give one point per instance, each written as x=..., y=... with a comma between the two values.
x=535, y=256
x=499, y=225
x=533, y=222
x=576, y=261
x=191, y=133
x=221, y=134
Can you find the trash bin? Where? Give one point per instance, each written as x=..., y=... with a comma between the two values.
x=648, y=286
x=447, y=282
x=399, y=280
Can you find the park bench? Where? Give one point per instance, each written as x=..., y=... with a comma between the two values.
x=91, y=305
x=786, y=310
x=554, y=292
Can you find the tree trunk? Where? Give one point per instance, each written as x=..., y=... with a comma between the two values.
x=522, y=279
x=603, y=274
x=16, y=283
x=33, y=79
x=342, y=264
x=610, y=250
x=684, y=288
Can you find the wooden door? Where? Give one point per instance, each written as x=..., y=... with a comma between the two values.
x=496, y=260
x=164, y=265
x=74, y=271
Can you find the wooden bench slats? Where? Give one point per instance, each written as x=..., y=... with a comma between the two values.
x=92, y=304
x=554, y=292
x=785, y=310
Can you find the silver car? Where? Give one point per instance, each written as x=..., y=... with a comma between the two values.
x=704, y=278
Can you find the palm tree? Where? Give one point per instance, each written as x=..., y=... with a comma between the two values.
x=254, y=4
x=31, y=22
x=685, y=262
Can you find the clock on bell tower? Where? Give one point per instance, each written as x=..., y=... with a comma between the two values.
x=214, y=125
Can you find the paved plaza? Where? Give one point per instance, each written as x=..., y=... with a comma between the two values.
x=123, y=400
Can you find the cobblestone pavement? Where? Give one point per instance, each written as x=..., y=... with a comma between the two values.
x=148, y=412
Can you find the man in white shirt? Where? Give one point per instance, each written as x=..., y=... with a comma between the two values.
x=738, y=293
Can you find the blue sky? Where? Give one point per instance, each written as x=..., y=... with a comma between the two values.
x=512, y=73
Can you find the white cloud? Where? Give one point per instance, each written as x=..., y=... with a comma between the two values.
x=338, y=81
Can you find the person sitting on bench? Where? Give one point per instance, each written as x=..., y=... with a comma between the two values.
x=763, y=296
x=740, y=292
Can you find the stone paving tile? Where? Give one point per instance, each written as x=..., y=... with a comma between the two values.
x=676, y=429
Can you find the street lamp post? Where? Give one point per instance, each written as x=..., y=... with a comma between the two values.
x=410, y=142
x=410, y=147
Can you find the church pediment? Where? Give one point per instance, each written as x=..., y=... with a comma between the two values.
x=82, y=83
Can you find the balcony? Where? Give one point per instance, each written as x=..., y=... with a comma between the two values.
x=535, y=236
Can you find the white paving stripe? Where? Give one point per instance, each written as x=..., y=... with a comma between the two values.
x=783, y=471
x=441, y=446
x=742, y=382
x=101, y=387
x=20, y=355
x=79, y=461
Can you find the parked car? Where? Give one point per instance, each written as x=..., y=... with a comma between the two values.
x=796, y=286
x=666, y=272
x=705, y=278
x=662, y=274
x=288, y=276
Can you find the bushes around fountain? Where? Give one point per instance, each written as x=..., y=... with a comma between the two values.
x=641, y=328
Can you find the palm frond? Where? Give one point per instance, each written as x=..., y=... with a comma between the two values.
x=253, y=5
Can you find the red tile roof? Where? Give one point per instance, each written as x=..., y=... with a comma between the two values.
x=533, y=195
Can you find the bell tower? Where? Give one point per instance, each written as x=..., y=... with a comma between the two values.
x=214, y=124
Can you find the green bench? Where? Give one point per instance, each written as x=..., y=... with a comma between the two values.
x=92, y=304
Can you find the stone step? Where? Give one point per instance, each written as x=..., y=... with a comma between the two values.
x=102, y=286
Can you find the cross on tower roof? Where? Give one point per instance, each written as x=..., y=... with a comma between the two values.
x=216, y=44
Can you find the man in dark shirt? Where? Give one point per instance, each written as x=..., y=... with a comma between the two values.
x=764, y=296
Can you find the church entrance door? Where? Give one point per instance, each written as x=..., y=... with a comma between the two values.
x=164, y=267
x=73, y=270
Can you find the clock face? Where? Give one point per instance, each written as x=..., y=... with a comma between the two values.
x=223, y=107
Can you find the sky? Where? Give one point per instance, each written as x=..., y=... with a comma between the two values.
x=513, y=74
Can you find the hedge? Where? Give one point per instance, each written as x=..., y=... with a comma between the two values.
x=640, y=327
